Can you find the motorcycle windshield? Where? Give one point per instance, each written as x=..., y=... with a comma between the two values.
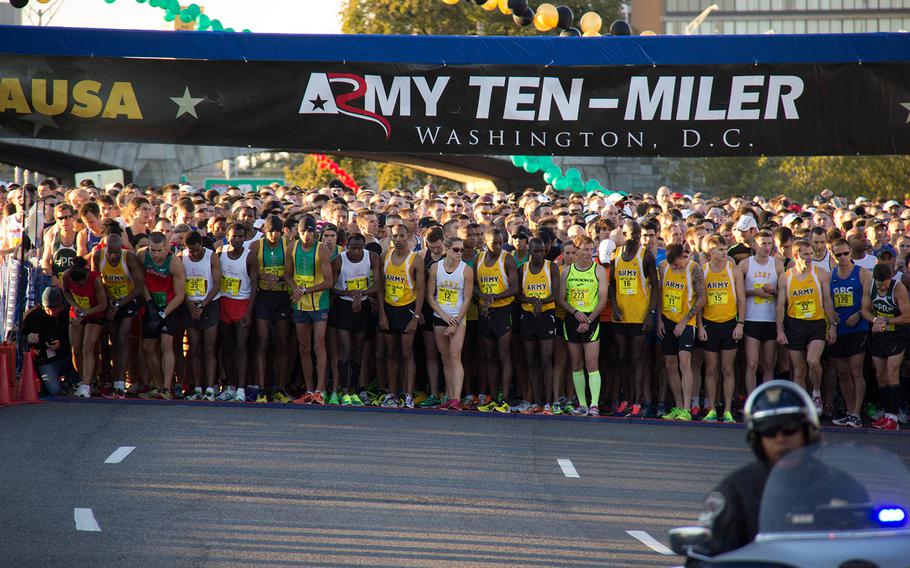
x=835, y=488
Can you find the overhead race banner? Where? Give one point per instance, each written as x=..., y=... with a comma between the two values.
x=488, y=109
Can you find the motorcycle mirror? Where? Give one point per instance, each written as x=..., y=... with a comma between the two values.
x=682, y=539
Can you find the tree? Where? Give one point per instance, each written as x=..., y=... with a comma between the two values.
x=432, y=17
x=301, y=170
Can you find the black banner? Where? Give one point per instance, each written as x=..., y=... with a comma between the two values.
x=663, y=110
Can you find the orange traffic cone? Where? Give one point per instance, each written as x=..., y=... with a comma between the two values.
x=27, y=391
x=5, y=399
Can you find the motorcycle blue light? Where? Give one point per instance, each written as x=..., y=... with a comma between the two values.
x=891, y=516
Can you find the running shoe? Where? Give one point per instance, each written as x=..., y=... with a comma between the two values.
x=854, y=421
x=317, y=398
x=636, y=411
x=887, y=422
x=346, y=400
x=841, y=421
x=827, y=412
x=568, y=408
x=580, y=411
x=502, y=407
x=684, y=415
x=150, y=394
x=521, y=407
x=873, y=411
x=365, y=397
x=902, y=416
x=280, y=397
x=389, y=401
x=356, y=400
x=695, y=413
x=673, y=414
x=711, y=416
x=408, y=400
x=419, y=398
x=593, y=411
x=262, y=398
x=305, y=398
x=165, y=395
x=197, y=394
x=481, y=400
x=333, y=399
x=728, y=418
x=445, y=405
x=623, y=408
x=429, y=402
x=84, y=391
x=557, y=409
x=456, y=405
x=178, y=391
x=488, y=407
x=547, y=409
x=661, y=409
x=239, y=395
x=227, y=394
x=209, y=395
x=817, y=401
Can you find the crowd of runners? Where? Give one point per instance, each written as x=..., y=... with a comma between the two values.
x=655, y=305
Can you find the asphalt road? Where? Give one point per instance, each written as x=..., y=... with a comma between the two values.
x=212, y=485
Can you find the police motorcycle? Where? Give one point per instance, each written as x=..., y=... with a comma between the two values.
x=823, y=506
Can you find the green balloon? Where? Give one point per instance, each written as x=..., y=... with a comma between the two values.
x=573, y=173
x=549, y=176
x=141, y=1
x=186, y=17
x=518, y=161
x=110, y=1
x=205, y=22
x=247, y=31
x=553, y=170
x=229, y=29
x=593, y=185
x=217, y=26
x=194, y=9
x=561, y=183
x=173, y=6
x=531, y=166
x=169, y=17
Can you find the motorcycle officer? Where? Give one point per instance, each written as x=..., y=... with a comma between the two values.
x=780, y=418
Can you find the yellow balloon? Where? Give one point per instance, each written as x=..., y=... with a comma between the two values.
x=490, y=5
x=548, y=15
x=648, y=33
x=43, y=1
x=450, y=2
x=591, y=22
x=504, y=7
x=540, y=25
x=591, y=34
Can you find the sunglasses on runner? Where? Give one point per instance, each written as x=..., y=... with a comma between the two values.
x=453, y=249
x=840, y=254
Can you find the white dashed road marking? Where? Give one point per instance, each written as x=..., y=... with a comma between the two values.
x=85, y=520
x=567, y=468
x=119, y=454
x=650, y=542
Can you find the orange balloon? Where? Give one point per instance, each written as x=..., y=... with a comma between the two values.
x=591, y=22
x=648, y=33
x=548, y=15
x=450, y=2
x=504, y=7
x=591, y=34
x=490, y=5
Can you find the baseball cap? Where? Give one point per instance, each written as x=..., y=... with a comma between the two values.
x=426, y=222
x=789, y=218
x=861, y=199
x=886, y=249
x=258, y=223
x=307, y=224
x=51, y=297
x=745, y=223
x=891, y=204
x=605, y=251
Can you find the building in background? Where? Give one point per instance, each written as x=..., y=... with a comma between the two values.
x=781, y=16
x=10, y=16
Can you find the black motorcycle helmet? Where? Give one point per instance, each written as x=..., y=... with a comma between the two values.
x=775, y=404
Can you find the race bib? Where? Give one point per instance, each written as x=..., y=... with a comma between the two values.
x=628, y=285
x=304, y=281
x=118, y=290
x=274, y=270
x=672, y=301
x=580, y=299
x=759, y=299
x=488, y=287
x=805, y=309
x=197, y=286
x=717, y=298
x=843, y=300
x=447, y=297
x=230, y=286
x=357, y=284
x=83, y=302
x=160, y=298
x=393, y=291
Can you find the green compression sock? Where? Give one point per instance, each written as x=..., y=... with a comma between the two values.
x=594, y=381
x=578, y=377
